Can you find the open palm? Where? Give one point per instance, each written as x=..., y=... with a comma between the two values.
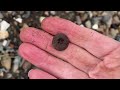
x=89, y=54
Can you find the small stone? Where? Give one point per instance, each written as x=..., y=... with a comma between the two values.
x=95, y=26
x=115, y=19
x=1, y=73
x=1, y=15
x=6, y=43
x=94, y=13
x=84, y=17
x=46, y=13
x=18, y=20
x=96, y=20
x=26, y=66
x=90, y=14
x=3, y=34
x=113, y=32
x=41, y=19
x=8, y=75
x=78, y=20
x=6, y=61
x=82, y=25
x=4, y=25
x=67, y=11
x=80, y=12
x=9, y=12
x=27, y=14
x=52, y=12
x=106, y=18
x=88, y=24
x=16, y=63
x=117, y=37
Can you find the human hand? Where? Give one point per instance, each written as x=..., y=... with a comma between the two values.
x=89, y=54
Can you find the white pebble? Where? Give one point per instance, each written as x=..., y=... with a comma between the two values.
x=41, y=19
x=82, y=25
x=4, y=25
x=4, y=43
x=18, y=20
x=95, y=26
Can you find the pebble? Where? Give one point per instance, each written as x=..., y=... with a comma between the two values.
x=115, y=19
x=88, y=24
x=94, y=13
x=84, y=16
x=46, y=13
x=4, y=34
x=6, y=43
x=16, y=63
x=26, y=66
x=41, y=19
x=6, y=61
x=21, y=12
x=1, y=73
x=113, y=32
x=18, y=20
x=8, y=75
x=52, y=12
x=95, y=26
x=27, y=14
x=96, y=20
x=107, y=19
x=82, y=25
x=78, y=20
x=4, y=25
x=80, y=12
x=1, y=15
x=67, y=11
x=117, y=37
x=1, y=47
x=90, y=14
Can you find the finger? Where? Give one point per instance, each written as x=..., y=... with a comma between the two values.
x=113, y=59
x=102, y=72
x=49, y=63
x=39, y=74
x=97, y=44
x=75, y=55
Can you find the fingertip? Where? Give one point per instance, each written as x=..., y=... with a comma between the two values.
x=39, y=74
x=31, y=73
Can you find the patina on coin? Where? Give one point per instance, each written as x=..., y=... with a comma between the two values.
x=60, y=42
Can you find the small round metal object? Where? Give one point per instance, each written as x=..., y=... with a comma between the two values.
x=60, y=42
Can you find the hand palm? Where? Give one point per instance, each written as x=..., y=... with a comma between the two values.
x=89, y=54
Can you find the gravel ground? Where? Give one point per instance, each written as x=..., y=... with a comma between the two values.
x=12, y=66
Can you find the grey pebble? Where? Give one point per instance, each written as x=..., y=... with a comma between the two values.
x=78, y=20
x=21, y=12
x=27, y=14
x=95, y=20
x=107, y=19
x=1, y=15
x=88, y=24
x=52, y=12
x=117, y=37
x=16, y=63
